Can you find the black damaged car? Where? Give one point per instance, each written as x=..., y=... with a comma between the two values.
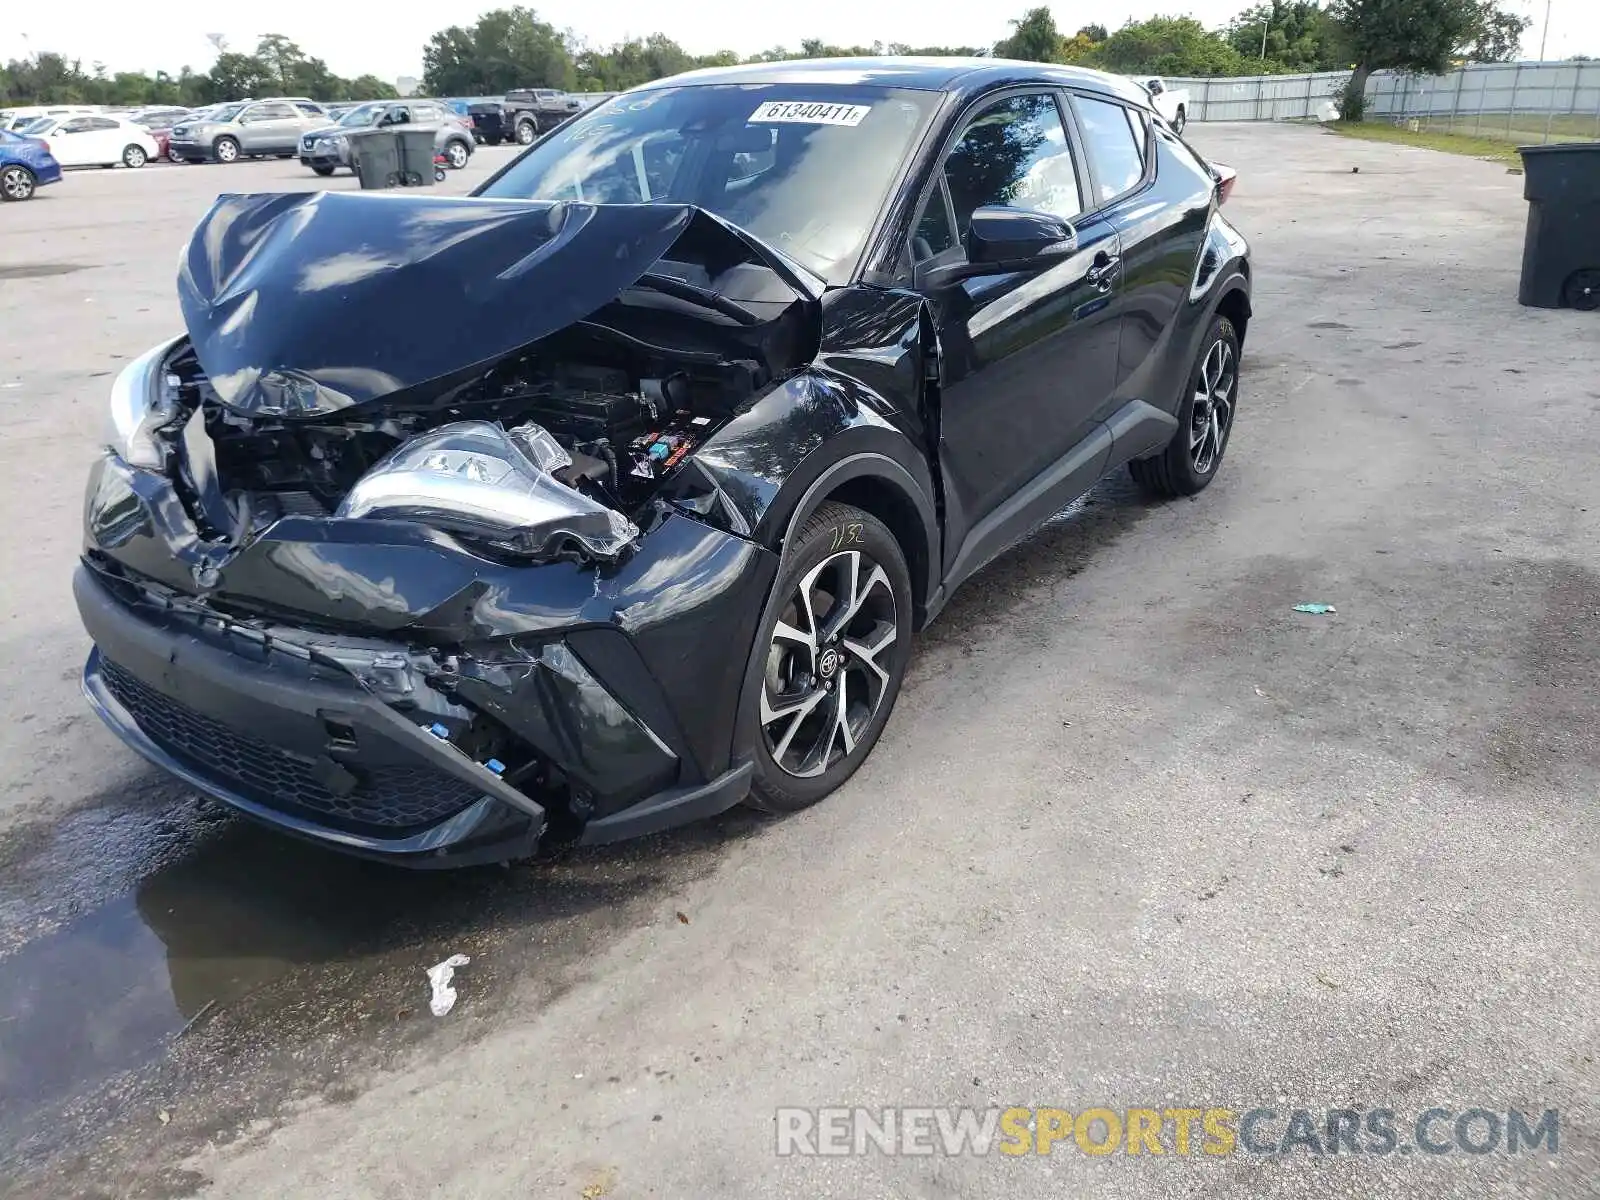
x=725, y=386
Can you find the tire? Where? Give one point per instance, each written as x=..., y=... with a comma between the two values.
x=526, y=132
x=457, y=153
x=795, y=689
x=1188, y=465
x=323, y=171
x=226, y=150
x=1582, y=291
x=134, y=157
x=1180, y=120
x=17, y=182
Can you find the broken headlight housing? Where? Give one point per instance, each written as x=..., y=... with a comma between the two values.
x=478, y=479
x=141, y=403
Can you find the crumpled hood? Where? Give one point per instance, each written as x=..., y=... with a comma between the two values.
x=302, y=304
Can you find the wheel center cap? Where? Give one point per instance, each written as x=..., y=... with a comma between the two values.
x=828, y=663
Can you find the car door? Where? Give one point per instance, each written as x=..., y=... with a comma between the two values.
x=1161, y=224
x=309, y=116
x=73, y=142
x=268, y=128
x=1026, y=359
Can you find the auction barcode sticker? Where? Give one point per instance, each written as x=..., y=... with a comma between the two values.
x=809, y=112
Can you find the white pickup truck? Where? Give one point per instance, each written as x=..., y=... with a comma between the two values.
x=1171, y=103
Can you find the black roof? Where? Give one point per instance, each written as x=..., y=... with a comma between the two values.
x=958, y=75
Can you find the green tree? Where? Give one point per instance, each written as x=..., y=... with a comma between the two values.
x=1496, y=35
x=1034, y=38
x=504, y=49
x=239, y=76
x=1168, y=46
x=1298, y=35
x=369, y=87
x=1420, y=36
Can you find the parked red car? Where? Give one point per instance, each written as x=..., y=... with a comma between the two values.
x=159, y=121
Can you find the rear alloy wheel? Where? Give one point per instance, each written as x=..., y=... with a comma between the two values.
x=1205, y=419
x=16, y=182
x=456, y=154
x=134, y=156
x=226, y=150
x=832, y=652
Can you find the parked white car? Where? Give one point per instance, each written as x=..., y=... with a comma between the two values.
x=96, y=140
x=13, y=119
x=1171, y=103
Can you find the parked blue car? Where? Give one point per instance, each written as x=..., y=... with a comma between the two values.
x=25, y=165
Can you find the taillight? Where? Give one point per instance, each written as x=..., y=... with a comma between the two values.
x=1225, y=181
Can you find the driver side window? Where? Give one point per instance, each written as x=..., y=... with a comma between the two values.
x=1014, y=153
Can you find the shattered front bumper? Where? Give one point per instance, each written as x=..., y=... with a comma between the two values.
x=619, y=683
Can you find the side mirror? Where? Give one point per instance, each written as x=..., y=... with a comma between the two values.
x=1017, y=239
x=1154, y=87
x=1000, y=240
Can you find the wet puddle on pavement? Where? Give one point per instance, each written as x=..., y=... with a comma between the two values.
x=241, y=940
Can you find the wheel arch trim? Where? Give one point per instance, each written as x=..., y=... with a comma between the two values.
x=923, y=559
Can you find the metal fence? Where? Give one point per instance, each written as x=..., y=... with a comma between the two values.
x=1515, y=102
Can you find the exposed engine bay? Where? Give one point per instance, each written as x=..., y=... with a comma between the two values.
x=606, y=433
x=570, y=359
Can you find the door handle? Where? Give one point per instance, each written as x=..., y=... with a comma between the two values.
x=1104, y=270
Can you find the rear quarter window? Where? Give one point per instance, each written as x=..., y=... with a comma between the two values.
x=1117, y=152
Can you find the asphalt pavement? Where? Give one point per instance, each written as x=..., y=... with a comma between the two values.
x=1138, y=834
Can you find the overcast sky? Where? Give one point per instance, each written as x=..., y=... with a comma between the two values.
x=387, y=39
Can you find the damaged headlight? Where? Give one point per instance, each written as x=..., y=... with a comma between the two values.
x=140, y=405
x=474, y=477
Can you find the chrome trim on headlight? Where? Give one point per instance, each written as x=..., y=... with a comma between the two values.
x=476, y=478
x=138, y=407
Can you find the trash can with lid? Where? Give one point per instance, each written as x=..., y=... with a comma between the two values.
x=1561, y=253
x=386, y=158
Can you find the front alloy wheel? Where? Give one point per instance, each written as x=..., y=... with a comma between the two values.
x=16, y=183
x=227, y=150
x=832, y=654
x=525, y=133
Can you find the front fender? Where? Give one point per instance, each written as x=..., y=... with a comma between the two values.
x=813, y=434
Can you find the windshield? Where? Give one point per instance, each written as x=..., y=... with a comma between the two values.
x=226, y=112
x=365, y=115
x=36, y=125
x=803, y=167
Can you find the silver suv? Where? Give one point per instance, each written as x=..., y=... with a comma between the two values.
x=327, y=149
x=248, y=128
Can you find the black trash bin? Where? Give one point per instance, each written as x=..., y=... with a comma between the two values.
x=1561, y=255
x=386, y=158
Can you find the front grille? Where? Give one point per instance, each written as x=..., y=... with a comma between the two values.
x=388, y=798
